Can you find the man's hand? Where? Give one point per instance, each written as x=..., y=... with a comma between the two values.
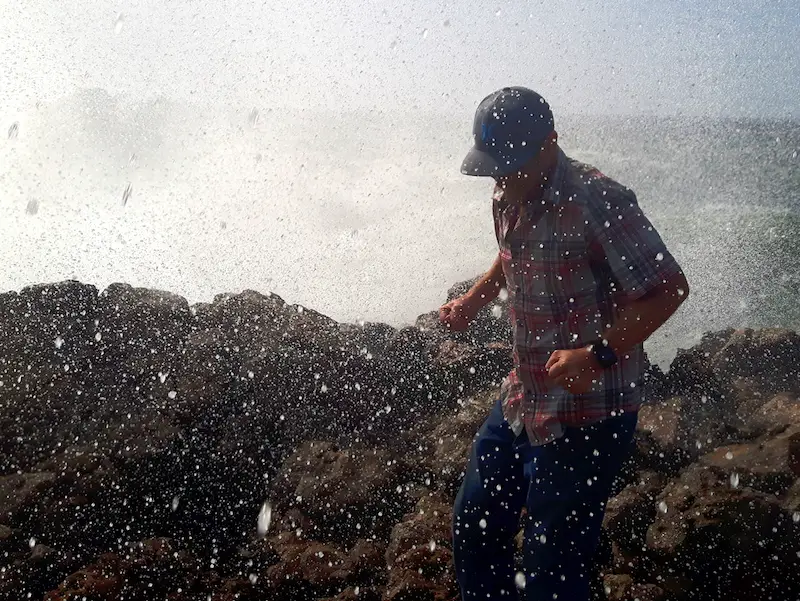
x=575, y=370
x=458, y=313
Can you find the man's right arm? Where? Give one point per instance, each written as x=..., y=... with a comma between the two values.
x=486, y=289
x=460, y=311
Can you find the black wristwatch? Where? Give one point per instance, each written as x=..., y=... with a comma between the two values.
x=604, y=354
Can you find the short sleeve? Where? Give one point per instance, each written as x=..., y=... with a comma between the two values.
x=631, y=247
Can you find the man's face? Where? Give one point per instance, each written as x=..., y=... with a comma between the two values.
x=530, y=175
x=521, y=180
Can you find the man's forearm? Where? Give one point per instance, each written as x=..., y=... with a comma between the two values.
x=637, y=321
x=488, y=287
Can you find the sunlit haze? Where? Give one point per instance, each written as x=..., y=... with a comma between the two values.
x=312, y=148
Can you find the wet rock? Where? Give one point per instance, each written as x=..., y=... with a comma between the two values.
x=618, y=587
x=307, y=565
x=729, y=542
x=422, y=573
x=450, y=441
x=357, y=593
x=767, y=466
x=629, y=514
x=317, y=479
x=428, y=525
x=128, y=415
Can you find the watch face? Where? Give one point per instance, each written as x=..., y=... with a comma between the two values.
x=605, y=355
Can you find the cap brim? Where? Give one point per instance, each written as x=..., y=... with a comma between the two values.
x=481, y=163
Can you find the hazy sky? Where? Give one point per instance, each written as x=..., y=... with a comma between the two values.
x=629, y=56
x=365, y=215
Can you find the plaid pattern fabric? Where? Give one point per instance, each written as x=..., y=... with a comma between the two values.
x=570, y=260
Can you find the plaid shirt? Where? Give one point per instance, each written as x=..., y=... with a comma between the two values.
x=570, y=260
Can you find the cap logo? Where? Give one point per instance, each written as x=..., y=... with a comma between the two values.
x=486, y=132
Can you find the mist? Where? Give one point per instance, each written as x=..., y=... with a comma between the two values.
x=312, y=150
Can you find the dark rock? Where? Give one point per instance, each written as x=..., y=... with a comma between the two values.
x=630, y=513
x=752, y=537
x=427, y=526
x=422, y=573
x=130, y=416
x=317, y=480
x=357, y=593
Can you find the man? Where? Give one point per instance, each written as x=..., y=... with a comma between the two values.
x=588, y=280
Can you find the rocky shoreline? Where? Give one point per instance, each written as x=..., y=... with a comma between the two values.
x=141, y=436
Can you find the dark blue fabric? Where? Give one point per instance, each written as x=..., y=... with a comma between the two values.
x=564, y=485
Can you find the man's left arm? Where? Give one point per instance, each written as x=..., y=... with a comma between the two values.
x=648, y=281
x=638, y=320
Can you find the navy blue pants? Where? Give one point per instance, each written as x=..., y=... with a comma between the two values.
x=564, y=485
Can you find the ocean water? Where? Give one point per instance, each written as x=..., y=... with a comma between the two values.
x=365, y=216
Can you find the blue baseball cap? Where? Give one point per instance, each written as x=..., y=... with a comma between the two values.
x=510, y=127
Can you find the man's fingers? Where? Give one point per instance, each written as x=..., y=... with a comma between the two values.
x=557, y=370
x=551, y=361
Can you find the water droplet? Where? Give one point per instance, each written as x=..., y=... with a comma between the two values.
x=33, y=207
x=162, y=376
x=13, y=131
x=472, y=370
x=324, y=388
x=796, y=517
x=662, y=506
x=519, y=580
x=424, y=33
x=32, y=543
x=175, y=502
x=498, y=12
x=119, y=23
x=432, y=545
x=253, y=578
x=660, y=257
x=300, y=309
x=98, y=336
x=543, y=539
x=681, y=292
x=253, y=118
x=172, y=394
x=59, y=342
x=503, y=294
x=734, y=480
x=728, y=455
x=126, y=195
x=607, y=224
x=264, y=519
x=482, y=523
x=497, y=311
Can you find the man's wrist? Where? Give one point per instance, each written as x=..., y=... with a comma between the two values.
x=603, y=354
